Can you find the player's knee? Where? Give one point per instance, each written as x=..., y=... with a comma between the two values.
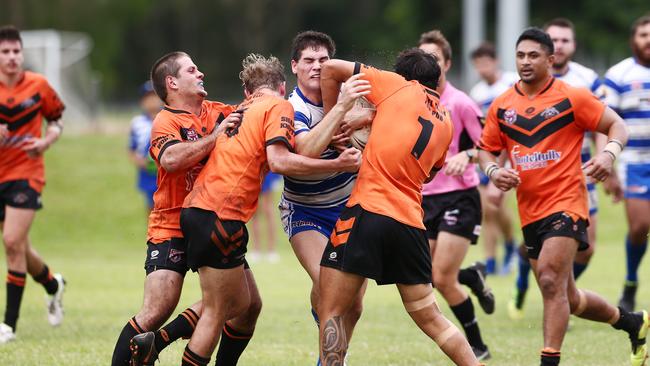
x=15, y=245
x=355, y=310
x=443, y=282
x=254, y=308
x=549, y=283
x=639, y=232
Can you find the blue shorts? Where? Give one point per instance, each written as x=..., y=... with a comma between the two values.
x=269, y=181
x=636, y=180
x=592, y=195
x=297, y=218
x=483, y=179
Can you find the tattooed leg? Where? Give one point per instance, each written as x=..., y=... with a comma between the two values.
x=334, y=342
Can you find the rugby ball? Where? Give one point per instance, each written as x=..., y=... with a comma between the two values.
x=362, y=106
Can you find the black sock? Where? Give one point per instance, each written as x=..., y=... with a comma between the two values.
x=550, y=357
x=122, y=352
x=181, y=327
x=626, y=322
x=231, y=346
x=192, y=359
x=464, y=312
x=467, y=277
x=15, y=288
x=48, y=281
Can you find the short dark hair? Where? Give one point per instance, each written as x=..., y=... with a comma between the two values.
x=311, y=39
x=10, y=33
x=639, y=22
x=165, y=66
x=486, y=49
x=415, y=64
x=560, y=22
x=436, y=37
x=537, y=35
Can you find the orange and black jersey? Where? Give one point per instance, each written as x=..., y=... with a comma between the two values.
x=170, y=127
x=231, y=181
x=22, y=109
x=543, y=137
x=411, y=133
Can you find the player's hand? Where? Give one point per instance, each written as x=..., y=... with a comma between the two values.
x=353, y=88
x=457, y=164
x=341, y=138
x=34, y=147
x=599, y=167
x=357, y=118
x=613, y=187
x=350, y=160
x=4, y=132
x=494, y=195
x=505, y=179
x=230, y=123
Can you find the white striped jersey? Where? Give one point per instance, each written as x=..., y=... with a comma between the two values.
x=580, y=76
x=484, y=94
x=321, y=190
x=626, y=89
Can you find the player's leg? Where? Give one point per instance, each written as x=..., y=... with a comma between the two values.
x=583, y=257
x=17, y=222
x=338, y=291
x=451, y=249
x=419, y=301
x=224, y=296
x=516, y=304
x=237, y=332
x=162, y=290
x=53, y=283
x=267, y=207
x=489, y=231
x=504, y=218
x=636, y=244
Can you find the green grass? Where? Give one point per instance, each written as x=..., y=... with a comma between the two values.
x=92, y=230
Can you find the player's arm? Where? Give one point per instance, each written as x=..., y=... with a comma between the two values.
x=600, y=166
x=471, y=121
x=490, y=146
x=184, y=155
x=332, y=74
x=314, y=142
x=282, y=161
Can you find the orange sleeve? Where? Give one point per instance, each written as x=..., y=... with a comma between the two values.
x=587, y=108
x=384, y=83
x=278, y=125
x=491, y=138
x=52, y=106
x=165, y=132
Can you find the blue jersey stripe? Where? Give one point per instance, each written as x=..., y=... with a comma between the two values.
x=324, y=186
x=610, y=83
x=635, y=114
x=638, y=143
x=640, y=86
x=299, y=116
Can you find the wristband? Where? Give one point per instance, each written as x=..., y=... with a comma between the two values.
x=614, y=148
x=610, y=154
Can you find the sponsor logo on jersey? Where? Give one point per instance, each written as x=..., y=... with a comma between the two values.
x=510, y=116
x=534, y=160
x=549, y=112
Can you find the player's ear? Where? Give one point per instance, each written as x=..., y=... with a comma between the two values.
x=282, y=89
x=171, y=83
x=246, y=93
x=294, y=66
x=551, y=60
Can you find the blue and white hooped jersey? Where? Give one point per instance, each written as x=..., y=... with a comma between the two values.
x=320, y=190
x=484, y=94
x=139, y=143
x=580, y=76
x=626, y=89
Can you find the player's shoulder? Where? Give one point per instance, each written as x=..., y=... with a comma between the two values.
x=34, y=77
x=212, y=105
x=169, y=116
x=504, y=97
x=619, y=70
x=140, y=121
x=479, y=90
x=583, y=70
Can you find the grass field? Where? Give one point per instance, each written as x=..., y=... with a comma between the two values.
x=92, y=230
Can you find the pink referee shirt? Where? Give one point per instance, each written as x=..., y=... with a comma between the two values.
x=466, y=116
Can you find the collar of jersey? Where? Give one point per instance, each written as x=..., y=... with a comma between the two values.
x=305, y=99
x=544, y=89
x=176, y=111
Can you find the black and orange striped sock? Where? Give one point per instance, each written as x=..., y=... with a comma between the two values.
x=232, y=345
x=15, y=288
x=550, y=357
x=181, y=327
x=192, y=359
x=46, y=279
x=122, y=352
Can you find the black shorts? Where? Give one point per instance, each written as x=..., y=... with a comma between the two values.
x=457, y=212
x=170, y=254
x=18, y=194
x=557, y=224
x=378, y=247
x=212, y=242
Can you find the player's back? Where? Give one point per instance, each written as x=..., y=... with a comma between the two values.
x=231, y=181
x=410, y=134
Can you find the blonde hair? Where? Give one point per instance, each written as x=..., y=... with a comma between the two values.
x=259, y=71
